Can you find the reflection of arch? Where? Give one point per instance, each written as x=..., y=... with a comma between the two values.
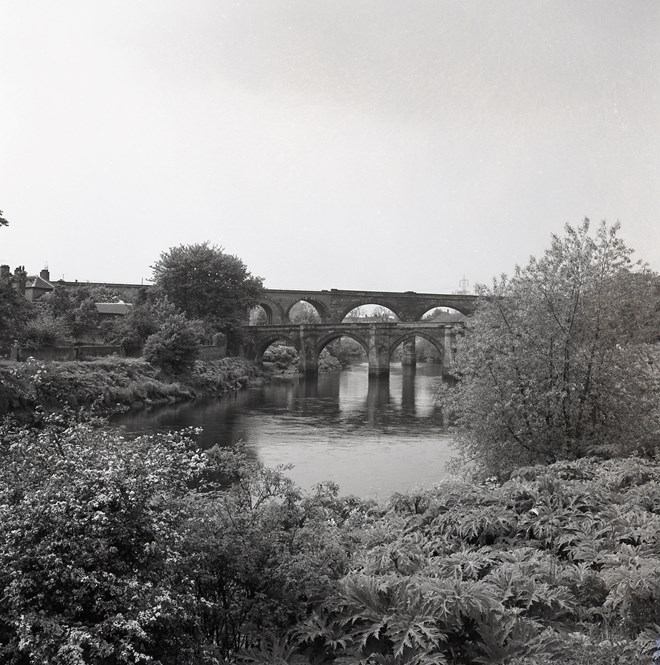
x=370, y=302
x=271, y=339
x=336, y=334
x=411, y=336
x=320, y=308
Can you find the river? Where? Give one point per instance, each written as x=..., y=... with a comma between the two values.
x=371, y=436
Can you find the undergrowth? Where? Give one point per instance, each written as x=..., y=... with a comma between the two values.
x=112, y=382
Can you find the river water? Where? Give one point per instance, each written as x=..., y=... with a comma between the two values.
x=371, y=436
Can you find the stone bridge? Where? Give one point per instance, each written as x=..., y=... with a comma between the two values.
x=334, y=305
x=379, y=340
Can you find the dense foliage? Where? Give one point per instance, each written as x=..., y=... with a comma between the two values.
x=558, y=362
x=205, y=283
x=109, y=553
x=175, y=346
x=73, y=309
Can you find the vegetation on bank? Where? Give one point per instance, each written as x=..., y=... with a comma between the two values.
x=110, y=382
x=110, y=553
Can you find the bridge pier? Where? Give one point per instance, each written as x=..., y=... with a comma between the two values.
x=409, y=356
x=378, y=351
x=308, y=359
x=448, y=355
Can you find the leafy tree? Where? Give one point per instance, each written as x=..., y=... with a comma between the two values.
x=3, y=221
x=205, y=283
x=554, y=364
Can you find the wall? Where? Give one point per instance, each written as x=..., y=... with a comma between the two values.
x=212, y=352
x=67, y=352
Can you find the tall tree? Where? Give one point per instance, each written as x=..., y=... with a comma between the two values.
x=556, y=362
x=205, y=283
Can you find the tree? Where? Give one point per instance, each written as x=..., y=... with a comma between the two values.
x=3, y=221
x=555, y=363
x=205, y=283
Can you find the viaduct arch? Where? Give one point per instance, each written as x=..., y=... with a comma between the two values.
x=333, y=305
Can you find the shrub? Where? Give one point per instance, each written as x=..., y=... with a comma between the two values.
x=283, y=357
x=175, y=346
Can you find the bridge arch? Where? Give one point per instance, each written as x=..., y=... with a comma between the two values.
x=271, y=339
x=337, y=334
x=410, y=336
x=455, y=307
x=274, y=311
x=320, y=307
x=371, y=302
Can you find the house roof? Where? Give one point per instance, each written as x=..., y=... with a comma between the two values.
x=38, y=282
x=119, y=308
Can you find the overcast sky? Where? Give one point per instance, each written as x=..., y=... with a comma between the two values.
x=356, y=144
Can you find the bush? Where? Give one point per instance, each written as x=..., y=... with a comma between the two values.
x=46, y=330
x=175, y=346
x=92, y=565
x=283, y=357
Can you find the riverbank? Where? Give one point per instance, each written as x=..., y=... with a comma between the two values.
x=110, y=383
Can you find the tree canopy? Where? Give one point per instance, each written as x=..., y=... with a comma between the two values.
x=206, y=283
x=556, y=363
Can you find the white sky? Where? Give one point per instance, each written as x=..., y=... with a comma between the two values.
x=359, y=144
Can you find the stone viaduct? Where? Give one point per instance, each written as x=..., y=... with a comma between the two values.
x=334, y=305
x=379, y=340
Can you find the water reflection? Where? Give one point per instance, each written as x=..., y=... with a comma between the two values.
x=371, y=435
